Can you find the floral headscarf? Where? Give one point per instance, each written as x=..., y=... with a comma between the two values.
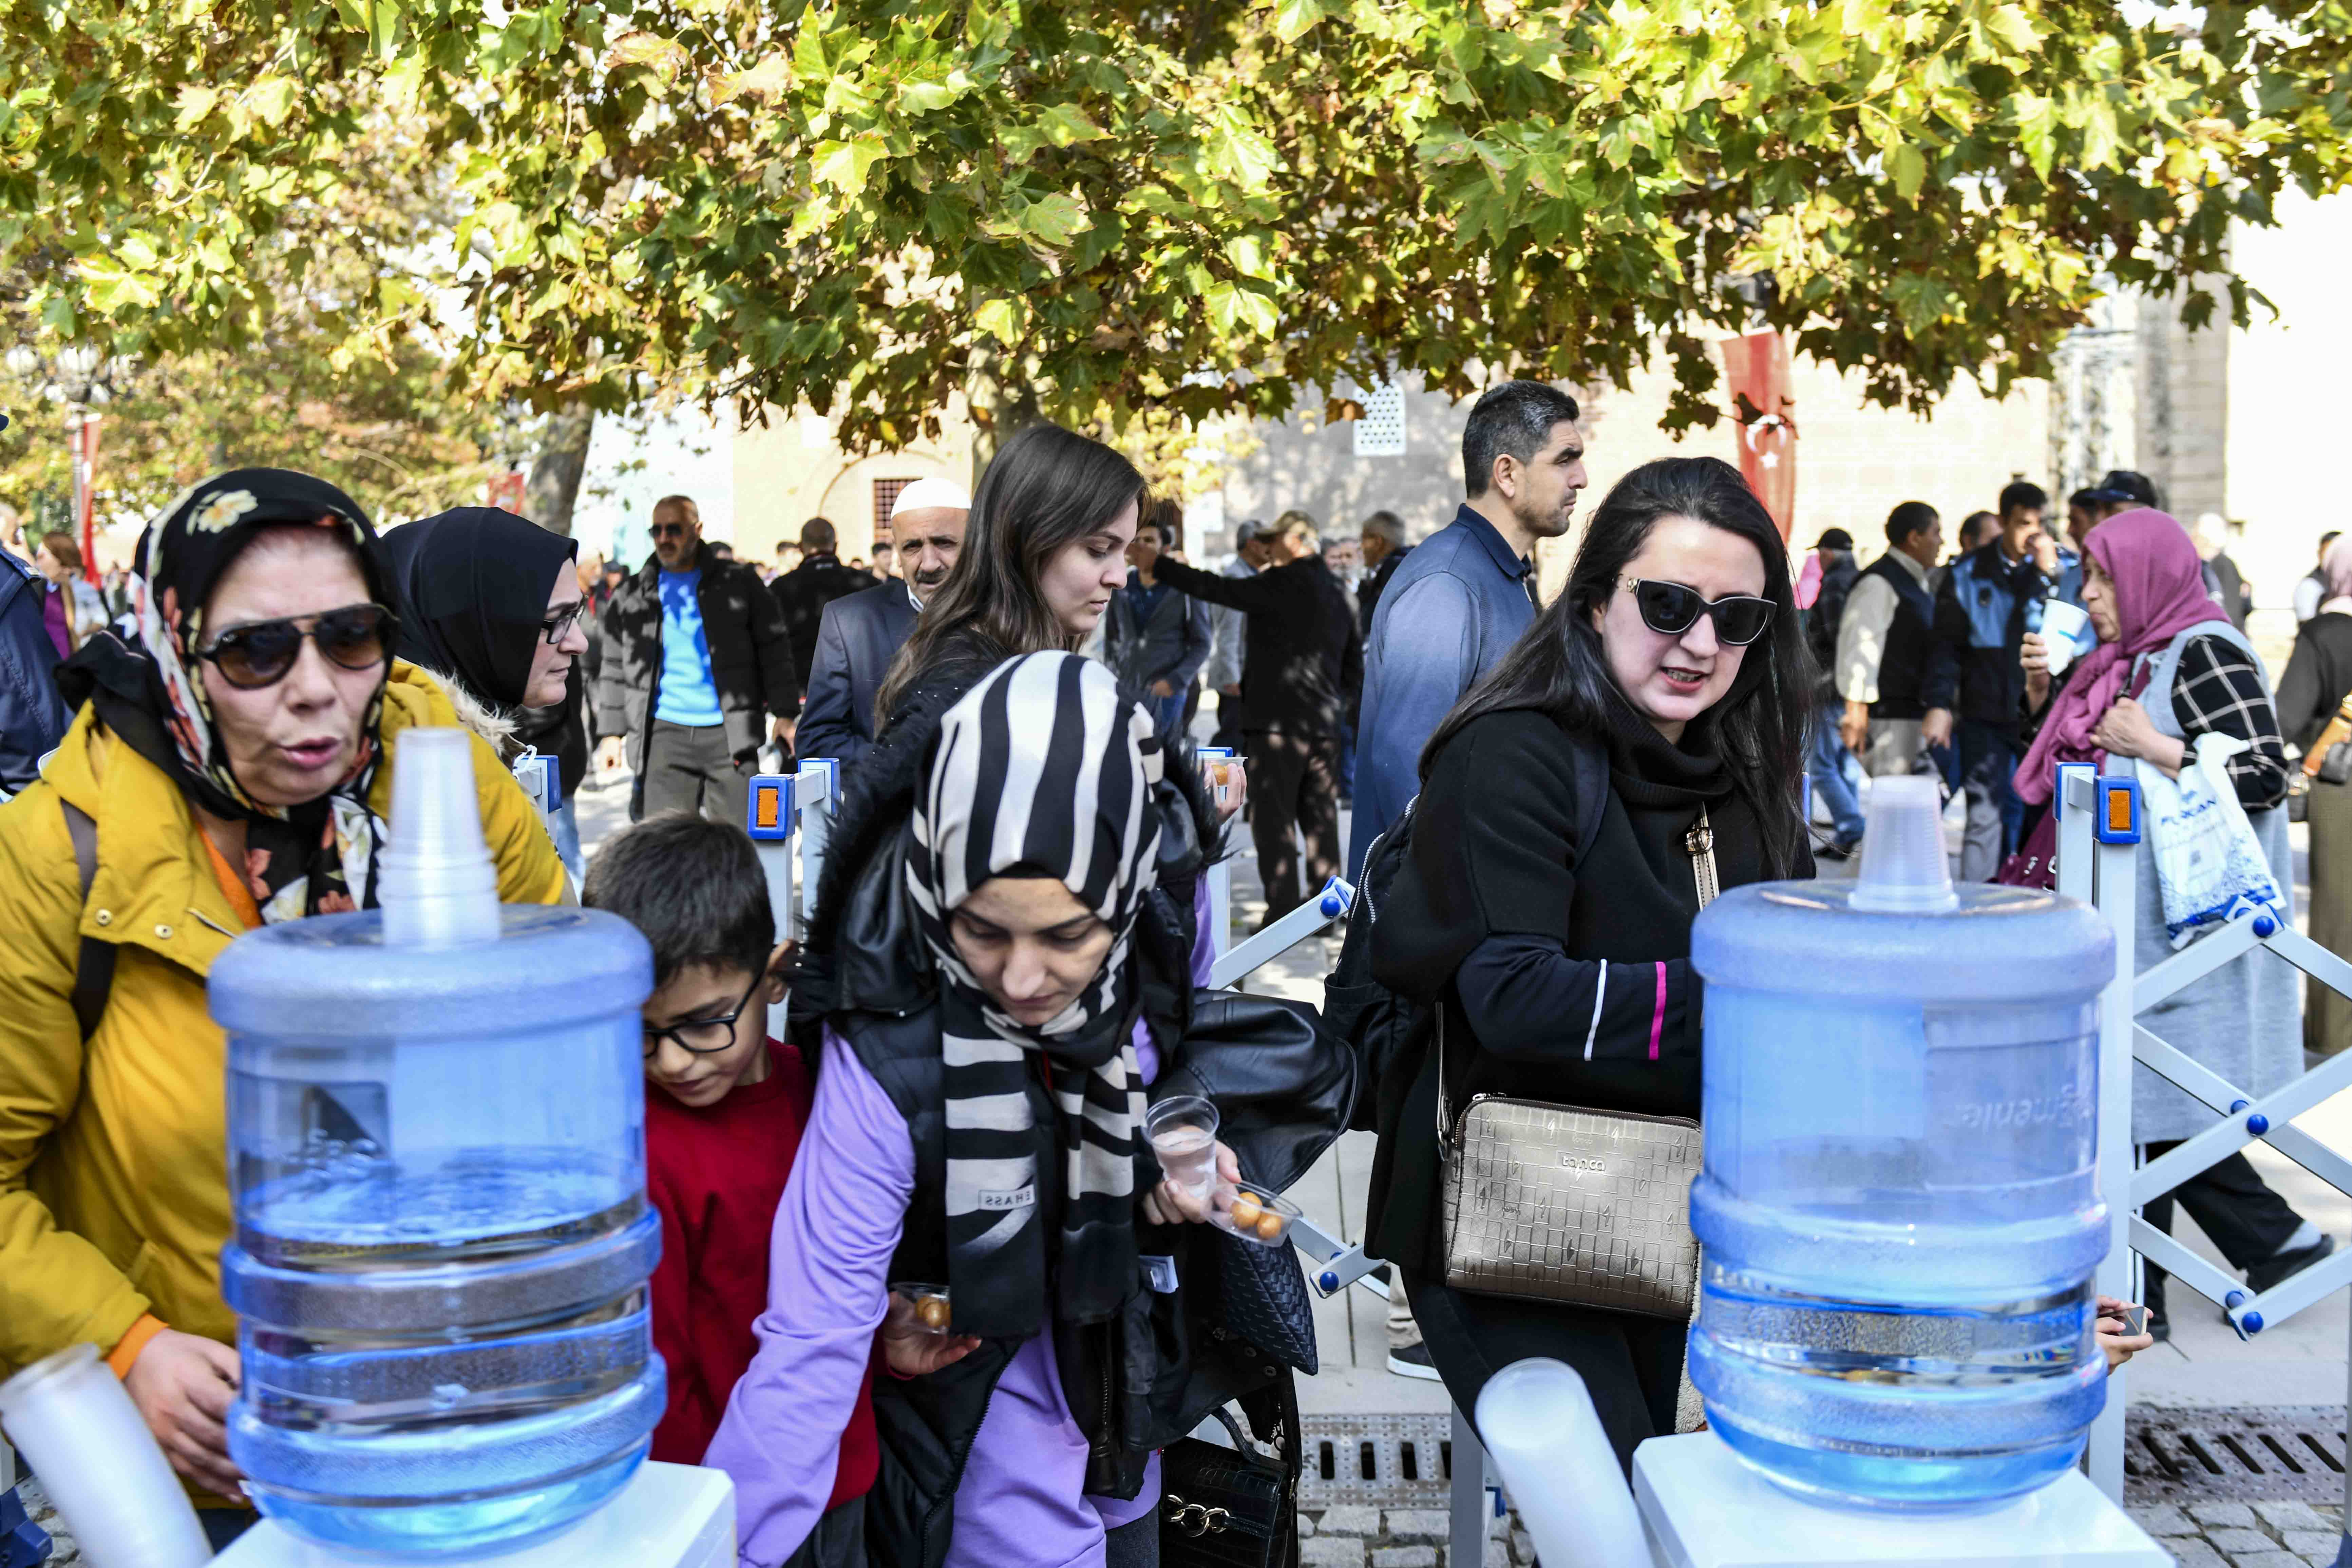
x=316, y=857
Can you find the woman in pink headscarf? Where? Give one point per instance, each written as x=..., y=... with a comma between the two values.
x=2318, y=678
x=2169, y=667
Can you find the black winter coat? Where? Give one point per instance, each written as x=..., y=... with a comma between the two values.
x=803, y=593
x=1302, y=655
x=1565, y=977
x=32, y=716
x=751, y=656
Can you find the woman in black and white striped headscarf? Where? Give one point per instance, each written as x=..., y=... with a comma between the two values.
x=1033, y=849
x=984, y=1131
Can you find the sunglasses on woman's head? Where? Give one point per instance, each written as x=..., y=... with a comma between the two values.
x=1672, y=610
x=261, y=653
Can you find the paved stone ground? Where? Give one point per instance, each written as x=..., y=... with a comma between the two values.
x=1357, y=1536
x=2245, y=1534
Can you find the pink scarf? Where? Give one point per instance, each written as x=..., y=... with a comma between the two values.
x=2159, y=593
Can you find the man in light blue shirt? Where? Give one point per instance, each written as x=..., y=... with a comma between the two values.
x=696, y=673
x=1465, y=596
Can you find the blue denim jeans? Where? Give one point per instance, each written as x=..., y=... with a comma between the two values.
x=1837, y=775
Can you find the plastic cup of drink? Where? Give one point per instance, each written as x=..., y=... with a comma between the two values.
x=2062, y=628
x=1184, y=1133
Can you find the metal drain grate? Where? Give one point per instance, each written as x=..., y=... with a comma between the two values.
x=2238, y=1452
x=1403, y=1460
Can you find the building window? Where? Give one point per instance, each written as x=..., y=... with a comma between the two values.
x=1381, y=432
x=885, y=496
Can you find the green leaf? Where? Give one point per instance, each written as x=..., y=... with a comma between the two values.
x=1001, y=318
x=1055, y=220
x=1294, y=19
x=1062, y=125
x=2014, y=27
x=1909, y=167
x=844, y=165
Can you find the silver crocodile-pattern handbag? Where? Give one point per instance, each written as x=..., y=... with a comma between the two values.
x=1558, y=1203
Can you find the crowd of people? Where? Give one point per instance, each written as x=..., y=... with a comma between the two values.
x=927, y=1293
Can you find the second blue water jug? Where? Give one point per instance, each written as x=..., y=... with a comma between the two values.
x=1899, y=1210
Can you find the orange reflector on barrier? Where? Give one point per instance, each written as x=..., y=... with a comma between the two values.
x=766, y=812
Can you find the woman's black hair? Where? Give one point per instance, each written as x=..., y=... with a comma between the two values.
x=1558, y=666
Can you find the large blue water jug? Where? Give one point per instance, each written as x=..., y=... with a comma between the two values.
x=436, y=1150
x=1899, y=1209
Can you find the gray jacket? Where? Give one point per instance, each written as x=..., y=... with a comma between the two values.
x=857, y=638
x=1171, y=645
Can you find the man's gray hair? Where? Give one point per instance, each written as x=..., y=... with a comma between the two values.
x=1247, y=529
x=1387, y=525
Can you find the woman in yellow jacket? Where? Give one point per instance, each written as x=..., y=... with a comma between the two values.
x=230, y=766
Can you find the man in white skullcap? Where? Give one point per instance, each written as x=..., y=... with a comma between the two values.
x=860, y=634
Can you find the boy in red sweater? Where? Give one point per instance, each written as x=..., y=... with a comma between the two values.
x=725, y=1106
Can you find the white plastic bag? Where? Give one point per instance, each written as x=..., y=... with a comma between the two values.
x=2209, y=863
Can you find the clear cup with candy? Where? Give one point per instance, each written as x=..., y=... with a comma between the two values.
x=1252, y=1213
x=930, y=1304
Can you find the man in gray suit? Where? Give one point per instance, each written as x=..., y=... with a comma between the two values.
x=860, y=634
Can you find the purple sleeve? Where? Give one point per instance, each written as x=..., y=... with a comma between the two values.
x=844, y=1210
x=1204, y=945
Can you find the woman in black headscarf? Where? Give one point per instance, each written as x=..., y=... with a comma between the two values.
x=230, y=766
x=491, y=607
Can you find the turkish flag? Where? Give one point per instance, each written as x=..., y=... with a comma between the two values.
x=1765, y=416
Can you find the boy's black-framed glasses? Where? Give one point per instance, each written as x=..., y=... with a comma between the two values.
x=702, y=1037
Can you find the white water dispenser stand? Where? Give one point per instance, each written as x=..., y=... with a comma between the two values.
x=1701, y=1508
x=668, y=1516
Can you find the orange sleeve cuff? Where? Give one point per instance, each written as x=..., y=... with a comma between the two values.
x=126, y=1348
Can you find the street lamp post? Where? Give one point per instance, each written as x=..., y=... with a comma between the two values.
x=77, y=378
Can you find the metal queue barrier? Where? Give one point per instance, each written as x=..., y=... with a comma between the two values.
x=2099, y=828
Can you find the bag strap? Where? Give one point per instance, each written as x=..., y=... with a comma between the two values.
x=94, y=964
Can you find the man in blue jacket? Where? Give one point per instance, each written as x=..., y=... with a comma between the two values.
x=33, y=716
x=1975, y=688
x=1465, y=594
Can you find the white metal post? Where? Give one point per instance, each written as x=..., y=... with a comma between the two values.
x=2096, y=863
x=817, y=792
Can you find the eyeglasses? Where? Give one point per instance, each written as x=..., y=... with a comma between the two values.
x=1672, y=610
x=560, y=627
x=358, y=636
x=669, y=531
x=703, y=1036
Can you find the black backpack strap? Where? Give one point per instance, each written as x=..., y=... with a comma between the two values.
x=94, y=967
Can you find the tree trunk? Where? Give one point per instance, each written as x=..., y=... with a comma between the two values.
x=554, y=482
x=1003, y=402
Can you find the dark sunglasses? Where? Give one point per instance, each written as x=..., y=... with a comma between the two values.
x=1672, y=610
x=358, y=636
x=560, y=627
x=669, y=531
x=702, y=1037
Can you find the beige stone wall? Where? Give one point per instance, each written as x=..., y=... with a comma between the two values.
x=791, y=470
x=2285, y=418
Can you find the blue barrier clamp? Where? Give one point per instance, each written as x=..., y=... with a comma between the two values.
x=768, y=817
x=2117, y=819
